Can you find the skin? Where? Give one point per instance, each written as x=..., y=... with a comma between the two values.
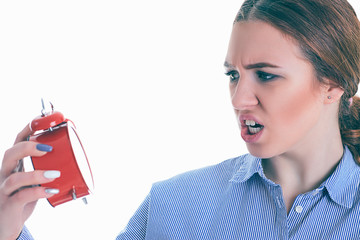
x=16, y=208
x=300, y=144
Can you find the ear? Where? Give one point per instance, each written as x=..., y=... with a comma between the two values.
x=332, y=92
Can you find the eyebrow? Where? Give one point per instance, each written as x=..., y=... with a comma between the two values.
x=252, y=66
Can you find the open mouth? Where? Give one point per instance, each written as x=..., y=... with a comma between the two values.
x=253, y=127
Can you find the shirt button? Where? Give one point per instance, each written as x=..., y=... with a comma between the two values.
x=299, y=209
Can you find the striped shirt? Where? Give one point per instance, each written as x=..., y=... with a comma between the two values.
x=234, y=200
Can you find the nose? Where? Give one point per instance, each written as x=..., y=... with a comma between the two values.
x=243, y=96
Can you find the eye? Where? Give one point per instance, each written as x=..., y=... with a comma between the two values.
x=233, y=75
x=265, y=77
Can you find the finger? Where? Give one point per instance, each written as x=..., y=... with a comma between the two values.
x=19, y=180
x=23, y=135
x=19, y=151
x=29, y=195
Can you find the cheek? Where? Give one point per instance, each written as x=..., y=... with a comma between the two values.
x=294, y=111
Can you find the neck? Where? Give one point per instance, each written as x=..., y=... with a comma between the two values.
x=306, y=166
x=307, y=171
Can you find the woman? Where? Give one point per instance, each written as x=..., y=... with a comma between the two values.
x=294, y=68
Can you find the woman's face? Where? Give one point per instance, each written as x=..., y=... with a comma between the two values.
x=276, y=97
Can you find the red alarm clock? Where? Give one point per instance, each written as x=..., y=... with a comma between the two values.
x=68, y=156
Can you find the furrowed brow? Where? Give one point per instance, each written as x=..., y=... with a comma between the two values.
x=260, y=65
x=252, y=66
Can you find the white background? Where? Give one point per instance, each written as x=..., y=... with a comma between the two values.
x=142, y=80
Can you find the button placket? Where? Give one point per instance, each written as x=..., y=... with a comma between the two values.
x=280, y=222
x=296, y=213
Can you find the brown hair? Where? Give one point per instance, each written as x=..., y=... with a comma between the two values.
x=328, y=33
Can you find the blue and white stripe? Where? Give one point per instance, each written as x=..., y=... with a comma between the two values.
x=25, y=235
x=234, y=200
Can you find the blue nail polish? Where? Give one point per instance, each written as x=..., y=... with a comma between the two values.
x=44, y=147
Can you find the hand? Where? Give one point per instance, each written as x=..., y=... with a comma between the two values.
x=19, y=191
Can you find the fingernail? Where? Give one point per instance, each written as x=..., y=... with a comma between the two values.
x=52, y=174
x=44, y=147
x=52, y=190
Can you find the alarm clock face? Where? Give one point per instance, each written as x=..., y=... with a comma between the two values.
x=80, y=157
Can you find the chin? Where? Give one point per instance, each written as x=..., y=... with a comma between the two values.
x=260, y=152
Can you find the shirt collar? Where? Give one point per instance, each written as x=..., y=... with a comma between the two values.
x=248, y=166
x=342, y=185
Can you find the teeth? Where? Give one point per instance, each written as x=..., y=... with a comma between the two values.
x=254, y=130
x=251, y=126
x=250, y=123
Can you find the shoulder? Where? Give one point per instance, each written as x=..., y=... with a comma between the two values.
x=193, y=196
x=208, y=177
